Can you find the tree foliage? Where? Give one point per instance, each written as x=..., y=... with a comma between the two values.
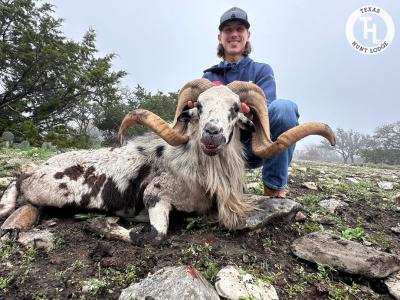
x=349, y=144
x=384, y=146
x=48, y=82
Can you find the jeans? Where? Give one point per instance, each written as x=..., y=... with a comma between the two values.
x=283, y=115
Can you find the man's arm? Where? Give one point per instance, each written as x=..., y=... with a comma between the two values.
x=266, y=81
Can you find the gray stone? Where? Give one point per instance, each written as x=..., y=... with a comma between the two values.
x=310, y=185
x=396, y=229
x=385, y=185
x=109, y=228
x=345, y=255
x=172, y=283
x=252, y=185
x=332, y=204
x=41, y=239
x=235, y=285
x=300, y=217
x=393, y=285
x=397, y=198
x=352, y=180
x=270, y=209
x=301, y=169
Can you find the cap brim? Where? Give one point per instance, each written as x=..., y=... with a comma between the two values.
x=244, y=22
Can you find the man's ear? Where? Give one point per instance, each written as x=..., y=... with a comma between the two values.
x=188, y=114
x=245, y=123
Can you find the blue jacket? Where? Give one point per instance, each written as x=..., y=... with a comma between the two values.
x=245, y=70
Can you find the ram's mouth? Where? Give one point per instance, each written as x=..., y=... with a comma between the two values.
x=211, y=149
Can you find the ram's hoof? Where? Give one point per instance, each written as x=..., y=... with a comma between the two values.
x=147, y=238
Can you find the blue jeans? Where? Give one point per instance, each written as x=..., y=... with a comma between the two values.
x=283, y=115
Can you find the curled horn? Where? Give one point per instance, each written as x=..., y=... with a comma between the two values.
x=155, y=123
x=172, y=136
x=262, y=145
x=190, y=91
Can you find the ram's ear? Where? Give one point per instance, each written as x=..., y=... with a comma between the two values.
x=188, y=115
x=245, y=123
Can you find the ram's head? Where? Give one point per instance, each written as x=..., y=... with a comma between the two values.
x=218, y=112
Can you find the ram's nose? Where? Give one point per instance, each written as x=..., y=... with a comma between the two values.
x=212, y=129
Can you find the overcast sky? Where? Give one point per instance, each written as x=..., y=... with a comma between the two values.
x=164, y=44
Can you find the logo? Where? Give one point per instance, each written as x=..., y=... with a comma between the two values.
x=370, y=30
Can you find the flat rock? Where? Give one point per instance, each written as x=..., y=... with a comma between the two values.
x=397, y=198
x=352, y=180
x=235, y=285
x=396, y=229
x=385, y=185
x=24, y=217
x=41, y=239
x=393, y=285
x=108, y=228
x=310, y=185
x=345, y=255
x=171, y=283
x=270, y=209
x=332, y=205
x=252, y=185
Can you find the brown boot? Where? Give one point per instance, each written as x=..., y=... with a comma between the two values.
x=274, y=193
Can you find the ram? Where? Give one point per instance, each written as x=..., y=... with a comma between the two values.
x=195, y=165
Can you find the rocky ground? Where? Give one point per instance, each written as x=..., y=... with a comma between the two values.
x=352, y=211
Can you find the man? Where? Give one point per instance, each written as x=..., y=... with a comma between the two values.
x=234, y=48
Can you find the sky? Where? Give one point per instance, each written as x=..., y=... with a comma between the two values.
x=164, y=44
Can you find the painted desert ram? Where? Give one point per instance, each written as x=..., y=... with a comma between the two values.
x=194, y=165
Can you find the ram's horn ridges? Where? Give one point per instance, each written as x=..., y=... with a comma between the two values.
x=293, y=135
x=155, y=123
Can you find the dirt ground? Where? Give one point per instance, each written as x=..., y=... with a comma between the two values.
x=86, y=266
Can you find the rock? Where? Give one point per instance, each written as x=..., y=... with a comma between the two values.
x=301, y=169
x=41, y=239
x=235, y=285
x=385, y=185
x=393, y=285
x=5, y=181
x=24, y=217
x=352, y=180
x=345, y=255
x=332, y=204
x=310, y=185
x=172, y=283
x=397, y=198
x=252, y=185
x=396, y=229
x=271, y=209
x=109, y=228
x=300, y=217
x=335, y=181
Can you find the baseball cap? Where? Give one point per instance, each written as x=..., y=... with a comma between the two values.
x=234, y=14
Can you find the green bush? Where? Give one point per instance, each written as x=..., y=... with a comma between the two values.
x=8, y=137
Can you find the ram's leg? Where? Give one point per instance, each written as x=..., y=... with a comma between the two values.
x=158, y=208
x=159, y=219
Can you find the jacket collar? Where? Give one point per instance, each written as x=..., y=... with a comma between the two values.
x=224, y=66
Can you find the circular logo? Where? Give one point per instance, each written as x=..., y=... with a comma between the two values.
x=370, y=30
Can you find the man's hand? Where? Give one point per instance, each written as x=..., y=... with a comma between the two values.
x=246, y=110
x=192, y=104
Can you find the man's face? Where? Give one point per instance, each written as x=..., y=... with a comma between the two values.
x=233, y=38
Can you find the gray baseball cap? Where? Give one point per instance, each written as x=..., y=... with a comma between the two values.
x=234, y=14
